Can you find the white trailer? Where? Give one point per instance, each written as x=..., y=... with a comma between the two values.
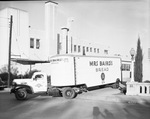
x=92, y=71
x=81, y=72
x=69, y=75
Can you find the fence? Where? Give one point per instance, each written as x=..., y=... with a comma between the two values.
x=135, y=88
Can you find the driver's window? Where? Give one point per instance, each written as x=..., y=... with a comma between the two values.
x=39, y=77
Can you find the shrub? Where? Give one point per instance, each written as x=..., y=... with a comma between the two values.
x=147, y=81
x=4, y=77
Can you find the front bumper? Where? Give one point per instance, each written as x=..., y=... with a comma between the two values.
x=13, y=90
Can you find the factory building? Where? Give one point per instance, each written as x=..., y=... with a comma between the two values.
x=19, y=37
x=30, y=45
x=70, y=45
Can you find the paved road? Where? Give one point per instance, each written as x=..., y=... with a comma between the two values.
x=104, y=103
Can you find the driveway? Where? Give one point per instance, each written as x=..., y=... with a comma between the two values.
x=106, y=103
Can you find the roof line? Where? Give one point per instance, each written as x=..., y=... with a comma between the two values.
x=51, y=2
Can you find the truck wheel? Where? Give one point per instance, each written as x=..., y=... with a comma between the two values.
x=21, y=94
x=68, y=93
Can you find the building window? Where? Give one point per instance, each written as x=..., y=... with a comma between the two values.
x=90, y=49
x=94, y=49
x=37, y=43
x=105, y=51
x=83, y=50
x=31, y=42
x=125, y=67
x=87, y=49
x=97, y=50
x=79, y=49
x=75, y=49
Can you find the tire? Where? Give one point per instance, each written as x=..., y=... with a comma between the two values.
x=21, y=94
x=68, y=93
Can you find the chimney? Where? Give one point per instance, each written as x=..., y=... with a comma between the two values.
x=64, y=41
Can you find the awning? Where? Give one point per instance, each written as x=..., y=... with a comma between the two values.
x=28, y=61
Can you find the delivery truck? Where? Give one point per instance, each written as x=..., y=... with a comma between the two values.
x=69, y=75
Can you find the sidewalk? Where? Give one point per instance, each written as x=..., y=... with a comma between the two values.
x=114, y=95
x=128, y=99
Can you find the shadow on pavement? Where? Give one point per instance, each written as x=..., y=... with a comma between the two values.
x=128, y=111
x=97, y=114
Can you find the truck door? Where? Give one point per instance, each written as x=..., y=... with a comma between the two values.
x=40, y=83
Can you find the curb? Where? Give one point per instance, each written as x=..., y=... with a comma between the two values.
x=127, y=99
x=119, y=99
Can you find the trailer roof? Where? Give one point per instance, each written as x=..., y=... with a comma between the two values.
x=72, y=55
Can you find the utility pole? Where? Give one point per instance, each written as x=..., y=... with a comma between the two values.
x=9, y=51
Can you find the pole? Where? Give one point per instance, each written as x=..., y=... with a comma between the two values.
x=9, y=52
x=132, y=69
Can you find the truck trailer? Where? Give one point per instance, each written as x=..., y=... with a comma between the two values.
x=69, y=75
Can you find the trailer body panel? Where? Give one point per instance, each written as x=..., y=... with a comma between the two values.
x=97, y=70
x=92, y=71
x=62, y=71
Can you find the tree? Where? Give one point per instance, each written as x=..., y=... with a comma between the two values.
x=4, y=73
x=13, y=69
x=138, y=65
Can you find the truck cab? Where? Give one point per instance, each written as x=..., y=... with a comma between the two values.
x=38, y=83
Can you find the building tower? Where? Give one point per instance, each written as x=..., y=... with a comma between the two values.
x=50, y=34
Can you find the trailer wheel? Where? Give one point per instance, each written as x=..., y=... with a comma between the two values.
x=21, y=94
x=68, y=93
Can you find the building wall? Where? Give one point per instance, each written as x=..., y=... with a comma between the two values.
x=38, y=51
x=70, y=45
x=20, y=34
x=50, y=31
x=146, y=59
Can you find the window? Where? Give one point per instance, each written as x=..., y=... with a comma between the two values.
x=97, y=50
x=94, y=49
x=83, y=50
x=90, y=49
x=125, y=67
x=105, y=51
x=87, y=49
x=79, y=49
x=39, y=77
x=75, y=48
x=31, y=42
x=37, y=43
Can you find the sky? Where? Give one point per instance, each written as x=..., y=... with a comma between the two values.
x=116, y=23
x=113, y=23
